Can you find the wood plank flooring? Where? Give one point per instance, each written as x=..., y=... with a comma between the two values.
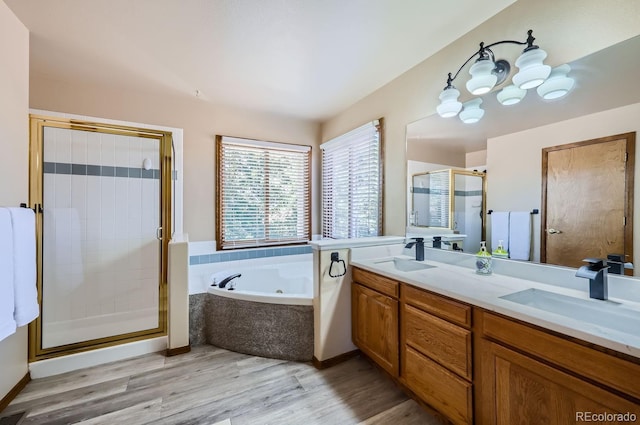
x=211, y=386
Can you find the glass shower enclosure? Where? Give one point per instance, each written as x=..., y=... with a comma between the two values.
x=102, y=196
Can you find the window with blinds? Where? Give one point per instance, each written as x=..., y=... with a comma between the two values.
x=352, y=183
x=263, y=193
x=438, y=199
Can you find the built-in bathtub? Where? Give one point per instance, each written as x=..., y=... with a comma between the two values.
x=282, y=282
x=268, y=313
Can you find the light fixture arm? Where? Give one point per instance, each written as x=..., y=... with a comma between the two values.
x=482, y=53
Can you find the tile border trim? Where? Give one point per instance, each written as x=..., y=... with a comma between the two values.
x=246, y=254
x=102, y=170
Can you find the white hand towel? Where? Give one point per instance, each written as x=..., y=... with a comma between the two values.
x=500, y=229
x=24, y=265
x=520, y=235
x=7, y=322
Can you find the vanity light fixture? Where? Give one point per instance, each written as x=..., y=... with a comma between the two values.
x=511, y=95
x=558, y=84
x=449, y=105
x=487, y=72
x=471, y=111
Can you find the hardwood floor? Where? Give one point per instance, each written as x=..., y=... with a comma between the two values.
x=210, y=386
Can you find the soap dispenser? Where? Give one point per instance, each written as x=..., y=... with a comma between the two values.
x=500, y=252
x=483, y=260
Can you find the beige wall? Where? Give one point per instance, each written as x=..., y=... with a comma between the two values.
x=14, y=165
x=515, y=163
x=201, y=122
x=476, y=159
x=423, y=151
x=565, y=28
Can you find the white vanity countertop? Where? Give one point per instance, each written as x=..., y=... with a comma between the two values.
x=464, y=284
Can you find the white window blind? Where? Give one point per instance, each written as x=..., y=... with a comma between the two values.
x=439, y=196
x=352, y=183
x=263, y=193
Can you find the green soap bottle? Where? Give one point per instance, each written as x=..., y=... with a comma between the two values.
x=483, y=260
x=500, y=252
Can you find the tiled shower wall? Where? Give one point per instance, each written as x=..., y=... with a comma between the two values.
x=468, y=201
x=100, y=252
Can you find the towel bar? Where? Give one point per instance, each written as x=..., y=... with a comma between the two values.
x=534, y=211
x=37, y=209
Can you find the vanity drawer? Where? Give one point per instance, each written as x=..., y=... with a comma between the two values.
x=607, y=369
x=438, y=305
x=376, y=282
x=438, y=387
x=444, y=342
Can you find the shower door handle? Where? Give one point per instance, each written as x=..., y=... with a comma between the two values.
x=159, y=233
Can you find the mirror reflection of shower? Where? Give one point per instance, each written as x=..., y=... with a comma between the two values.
x=449, y=202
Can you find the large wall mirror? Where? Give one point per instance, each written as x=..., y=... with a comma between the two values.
x=508, y=143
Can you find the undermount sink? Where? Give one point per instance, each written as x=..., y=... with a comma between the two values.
x=608, y=314
x=406, y=265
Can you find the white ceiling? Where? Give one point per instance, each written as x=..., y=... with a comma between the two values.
x=306, y=58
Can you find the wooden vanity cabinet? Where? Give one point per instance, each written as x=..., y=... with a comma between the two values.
x=530, y=376
x=374, y=311
x=475, y=366
x=436, y=355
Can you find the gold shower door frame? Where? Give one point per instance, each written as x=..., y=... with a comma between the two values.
x=37, y=124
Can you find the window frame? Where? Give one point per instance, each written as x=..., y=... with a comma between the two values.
x=259, y=243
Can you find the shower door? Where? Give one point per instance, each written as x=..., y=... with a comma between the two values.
x=102, y=198
x=467, y=208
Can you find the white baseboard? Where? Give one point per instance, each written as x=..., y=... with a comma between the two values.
x=57, y=365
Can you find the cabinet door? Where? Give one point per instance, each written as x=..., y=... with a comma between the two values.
x=529, y=392
x=375, y=326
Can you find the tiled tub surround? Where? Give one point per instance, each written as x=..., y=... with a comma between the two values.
x=248, y=254
x=100, y=270
x=254, y=318
x=205, y=261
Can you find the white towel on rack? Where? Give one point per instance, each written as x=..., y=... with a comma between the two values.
x=500, y=229
x=24, y=265
x=7, y=322
x=520, y=235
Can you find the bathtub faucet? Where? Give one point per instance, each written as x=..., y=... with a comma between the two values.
x=226, y=280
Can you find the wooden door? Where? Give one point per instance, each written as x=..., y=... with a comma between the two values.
x=587, y=200
x=528, y=392
x=375, y=326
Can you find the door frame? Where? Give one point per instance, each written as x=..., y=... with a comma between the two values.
x=37, y=123
x=630, y=139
